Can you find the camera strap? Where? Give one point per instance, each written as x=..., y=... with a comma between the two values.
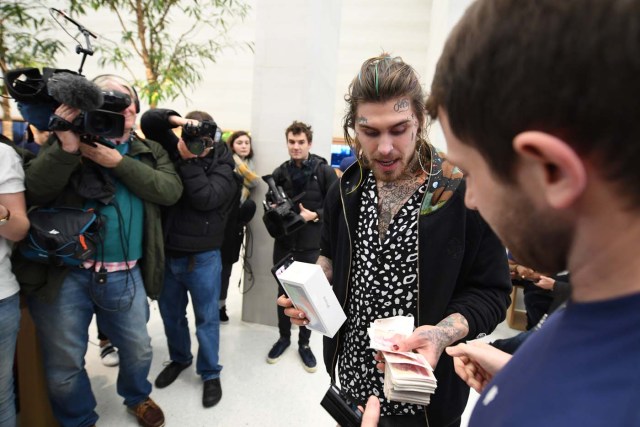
x=93, y=182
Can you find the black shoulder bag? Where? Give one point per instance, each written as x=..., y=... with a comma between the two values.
x=62, y=236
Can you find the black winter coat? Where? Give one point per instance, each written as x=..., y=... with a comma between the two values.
x=197, y=222
x=322, y=176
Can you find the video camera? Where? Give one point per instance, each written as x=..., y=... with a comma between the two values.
x=280, y=216
x=106, y=121
x=39, y=94
x=201, y=136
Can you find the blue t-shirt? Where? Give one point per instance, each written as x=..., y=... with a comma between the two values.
x=581, y=369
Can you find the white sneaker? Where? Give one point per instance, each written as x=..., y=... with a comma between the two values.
x=109, y=355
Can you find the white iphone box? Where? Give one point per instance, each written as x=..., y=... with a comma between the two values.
x=310, y=291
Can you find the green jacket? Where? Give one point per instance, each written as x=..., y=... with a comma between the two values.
x=151, y=176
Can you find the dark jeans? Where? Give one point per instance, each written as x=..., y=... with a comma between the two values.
x=284, y=322
x=9, y=326
x=197, y=277
x=122, y=313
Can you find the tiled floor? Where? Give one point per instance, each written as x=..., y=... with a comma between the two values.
x=254, y=392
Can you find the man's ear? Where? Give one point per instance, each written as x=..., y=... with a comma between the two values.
x=559, y=169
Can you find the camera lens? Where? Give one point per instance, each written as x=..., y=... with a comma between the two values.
x=196, y=146
x=104, y=123
x=99, y=123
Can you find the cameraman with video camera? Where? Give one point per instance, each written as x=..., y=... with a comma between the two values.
x=125, y=179
x=194, y=230
x=306, y=178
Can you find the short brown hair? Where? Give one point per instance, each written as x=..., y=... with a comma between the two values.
x=569, y=68
x=299, y=127
x=200, y=116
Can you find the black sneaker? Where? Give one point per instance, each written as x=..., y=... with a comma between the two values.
x=278, y=348
x=211, y=393
x=170, y=373
x=223, y=315
x=308, y=359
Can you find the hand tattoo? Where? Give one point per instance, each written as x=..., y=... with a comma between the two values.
x=447, y=331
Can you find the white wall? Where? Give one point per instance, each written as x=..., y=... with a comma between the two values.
x=370, y=27
x=294, y=79
x=444, y=15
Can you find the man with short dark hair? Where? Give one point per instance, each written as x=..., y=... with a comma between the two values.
x=539, y=104
x=194, y=230
x=309, y=176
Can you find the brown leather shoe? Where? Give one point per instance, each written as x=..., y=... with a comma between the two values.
x=148, y=413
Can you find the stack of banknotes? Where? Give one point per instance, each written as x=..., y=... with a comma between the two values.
x=408, y=377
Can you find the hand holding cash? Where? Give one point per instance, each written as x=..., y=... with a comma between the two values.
x=408, y=376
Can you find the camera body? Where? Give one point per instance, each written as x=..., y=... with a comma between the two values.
x=39, y=94
x=341, y=408
x=201, y=136
x=104, y=122
x=280, y=216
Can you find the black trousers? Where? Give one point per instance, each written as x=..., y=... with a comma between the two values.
x=284, y=322
x=225, y=276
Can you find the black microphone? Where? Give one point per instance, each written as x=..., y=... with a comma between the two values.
x=74, y=22
x=75, y=91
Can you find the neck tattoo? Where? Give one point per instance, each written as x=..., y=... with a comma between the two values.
x=392, y=196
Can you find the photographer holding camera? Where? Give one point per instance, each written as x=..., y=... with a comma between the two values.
x=305, y=177
x=194, y=230
x=125, y=179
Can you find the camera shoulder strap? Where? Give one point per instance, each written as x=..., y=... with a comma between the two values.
x=321, y=177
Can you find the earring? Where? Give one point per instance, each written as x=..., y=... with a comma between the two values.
x=424, y=143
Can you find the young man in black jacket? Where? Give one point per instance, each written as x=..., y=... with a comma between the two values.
x=194, y=230
x=399, y=241
x=309, y=177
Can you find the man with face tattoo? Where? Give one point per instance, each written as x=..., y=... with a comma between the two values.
x=398, y=240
